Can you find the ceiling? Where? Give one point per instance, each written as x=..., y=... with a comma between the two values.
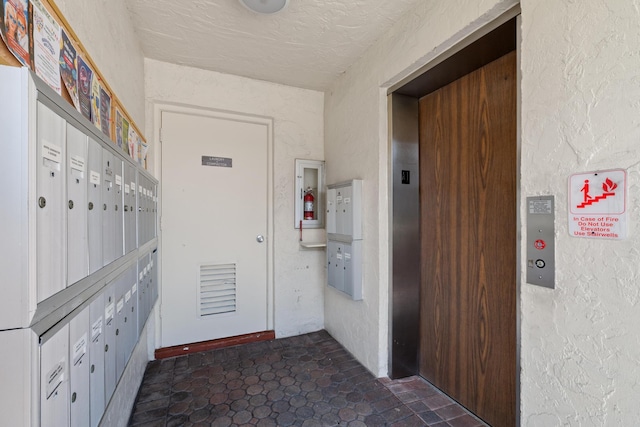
x=308, y=44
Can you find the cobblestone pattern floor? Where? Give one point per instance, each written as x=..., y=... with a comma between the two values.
x=308, y=380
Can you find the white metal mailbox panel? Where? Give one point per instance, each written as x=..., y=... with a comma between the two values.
x=54, y=379
x=108, y=210
x=50, y=214
x=331, y=210
x=118, y=211
x=120, y=319
x=130, y=208
x=77, y=187
x=109, y=341
x=94, y=206
x=96, y=356
x=79, y=366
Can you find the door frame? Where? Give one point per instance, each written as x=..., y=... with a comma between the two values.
x=402, y=136
x=195, y=110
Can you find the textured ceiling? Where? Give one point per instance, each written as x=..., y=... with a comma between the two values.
x=309, y=44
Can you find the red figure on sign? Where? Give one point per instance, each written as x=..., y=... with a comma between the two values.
x=585, y=190
x=539, y=244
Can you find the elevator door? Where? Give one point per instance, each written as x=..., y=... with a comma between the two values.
x=468, y=240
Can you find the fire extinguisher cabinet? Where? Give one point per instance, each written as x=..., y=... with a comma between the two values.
x=309, y=194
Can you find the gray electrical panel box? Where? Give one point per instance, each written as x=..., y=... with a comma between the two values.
x=541, y=241
x=344, y=237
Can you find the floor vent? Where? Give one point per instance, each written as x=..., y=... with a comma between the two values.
x=217, y=289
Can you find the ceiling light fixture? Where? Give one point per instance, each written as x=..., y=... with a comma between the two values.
x=266, y=7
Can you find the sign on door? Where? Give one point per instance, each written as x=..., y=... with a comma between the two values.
x=597, y=204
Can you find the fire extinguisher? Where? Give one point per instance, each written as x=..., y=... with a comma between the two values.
x=308, y=203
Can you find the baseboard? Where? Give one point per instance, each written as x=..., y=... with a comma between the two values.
x=180, y=350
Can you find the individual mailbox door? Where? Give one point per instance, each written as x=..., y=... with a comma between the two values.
x=129, y=209
x=128, y=326
x=135, y=326
x=331, y=210
x=336, y=265
x=121, y=338
x=79, y=366
x=154, y=216
x=141, y=300
x=118, y=202
x=154, y=277
x=108, y=210
x=94, y=206
x=134, y=205
x=96, y=356
x=77, y=187
x=54, y=379
x=50, y=202
x=141, y=217
x=109, y=341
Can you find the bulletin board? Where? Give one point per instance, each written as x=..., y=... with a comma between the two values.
x=34, y=34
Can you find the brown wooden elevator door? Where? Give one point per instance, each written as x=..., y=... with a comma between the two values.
x=468, y=238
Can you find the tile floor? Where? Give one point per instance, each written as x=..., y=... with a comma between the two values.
x=308, y=380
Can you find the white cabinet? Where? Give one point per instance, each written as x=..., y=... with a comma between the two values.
x=64, y=234
x=344, y=237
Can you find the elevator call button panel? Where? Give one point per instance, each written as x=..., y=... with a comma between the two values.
x=541, y=241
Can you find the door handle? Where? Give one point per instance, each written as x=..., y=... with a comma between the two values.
x=259, y=238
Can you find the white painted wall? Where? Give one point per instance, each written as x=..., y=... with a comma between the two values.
x=297, y=115
x=107, y=33
x=580, y=112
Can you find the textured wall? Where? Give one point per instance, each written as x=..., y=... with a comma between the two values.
x=107, y=33
x=297, y=116
x=357, y=147
x=581, y=112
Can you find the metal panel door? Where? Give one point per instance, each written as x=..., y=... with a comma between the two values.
x=213, y=217
x=331, y=210
x=119, y=212
x=54, y=379
x=51, y=210
x=129, y=209
x=108, y=209
x=77, y=187
x=109, y=341
x=96, y=357
x=94, y=206
x=120, y=320
x=79, y=366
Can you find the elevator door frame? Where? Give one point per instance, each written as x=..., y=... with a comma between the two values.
x=404, y=317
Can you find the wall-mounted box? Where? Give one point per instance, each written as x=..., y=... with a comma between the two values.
x=344, y=237
x=344, y=210
x=309, y=196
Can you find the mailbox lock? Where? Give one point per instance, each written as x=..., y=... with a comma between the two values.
x=106, y=348
x=126, y=208
x=104, y=206
x=117, y=332
x=116, y=208
x=540, y=263
x=93, y=368
x=90, y=206
x=73, y=397
x=70, y=204
x=42, y=202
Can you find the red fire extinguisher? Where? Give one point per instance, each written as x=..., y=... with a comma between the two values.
x=308, y=203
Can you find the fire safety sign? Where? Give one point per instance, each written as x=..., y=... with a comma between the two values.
x=598, y=204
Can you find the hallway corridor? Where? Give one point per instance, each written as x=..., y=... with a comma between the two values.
x=308, y=380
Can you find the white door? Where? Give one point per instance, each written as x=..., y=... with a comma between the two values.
x=214, y=227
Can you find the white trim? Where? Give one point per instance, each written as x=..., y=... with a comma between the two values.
x=158, y=109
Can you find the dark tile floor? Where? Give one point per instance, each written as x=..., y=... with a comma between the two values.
x=308, y=380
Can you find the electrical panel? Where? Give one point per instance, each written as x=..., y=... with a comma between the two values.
x=344, y=237
x=70, y=258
